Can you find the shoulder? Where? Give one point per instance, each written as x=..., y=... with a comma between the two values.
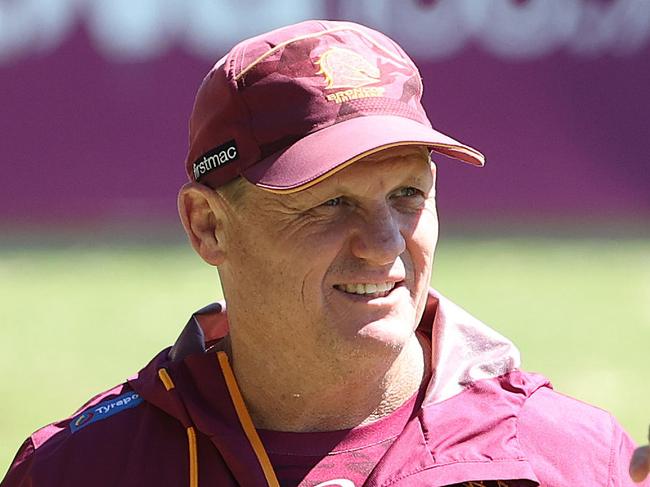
x=569, y=442
x=106, y=412
x=91, y=444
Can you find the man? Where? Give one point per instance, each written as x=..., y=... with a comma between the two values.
x=312, y=191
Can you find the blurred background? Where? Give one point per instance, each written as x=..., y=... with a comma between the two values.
x=549, y=243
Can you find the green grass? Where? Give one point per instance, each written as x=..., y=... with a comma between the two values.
x=77, y=320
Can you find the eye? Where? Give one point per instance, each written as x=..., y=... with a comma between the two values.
x=407, y=192
x=334, y=201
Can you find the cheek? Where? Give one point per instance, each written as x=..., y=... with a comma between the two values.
x=323, y=254
x=422, y=249
x=289, y=264
x=254, y=264
x=422, y=243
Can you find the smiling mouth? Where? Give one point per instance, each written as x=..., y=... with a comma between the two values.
x=380, y=289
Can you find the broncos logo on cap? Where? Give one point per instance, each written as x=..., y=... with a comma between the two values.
x=344, y=68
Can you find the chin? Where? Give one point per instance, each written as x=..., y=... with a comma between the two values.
x=388, y=332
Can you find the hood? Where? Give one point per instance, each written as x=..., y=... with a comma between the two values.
x=200, y=391
x=464, y=350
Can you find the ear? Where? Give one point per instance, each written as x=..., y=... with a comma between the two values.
x=196, y=207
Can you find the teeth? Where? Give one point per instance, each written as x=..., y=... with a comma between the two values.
x=370, y=288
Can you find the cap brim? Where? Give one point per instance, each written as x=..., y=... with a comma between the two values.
x=321, y=154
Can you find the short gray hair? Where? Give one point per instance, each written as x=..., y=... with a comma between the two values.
x=234, y=191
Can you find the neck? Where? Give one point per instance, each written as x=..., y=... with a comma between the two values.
x=300, y=393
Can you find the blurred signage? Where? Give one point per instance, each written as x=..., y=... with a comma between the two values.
x=127, y=30
x=554, y=92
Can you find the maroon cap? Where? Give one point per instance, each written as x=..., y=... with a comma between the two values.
x=288, y=108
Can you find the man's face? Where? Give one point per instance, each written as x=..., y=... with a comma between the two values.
x=342, y=265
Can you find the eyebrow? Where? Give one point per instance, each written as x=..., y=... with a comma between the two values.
x=401, y=179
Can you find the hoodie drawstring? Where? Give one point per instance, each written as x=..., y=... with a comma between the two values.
x=191, y=434
x=246, y=421
x=194, y=460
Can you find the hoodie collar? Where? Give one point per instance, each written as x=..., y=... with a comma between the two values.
x=464, y=350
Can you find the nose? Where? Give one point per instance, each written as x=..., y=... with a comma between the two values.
x=378, y=238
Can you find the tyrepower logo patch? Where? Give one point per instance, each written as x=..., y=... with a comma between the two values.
x=105, y=409
x=214, y=159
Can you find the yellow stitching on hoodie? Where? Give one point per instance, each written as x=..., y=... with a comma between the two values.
x=246, y=421
x=194, y=461
x=191, y=434
x=165, y=379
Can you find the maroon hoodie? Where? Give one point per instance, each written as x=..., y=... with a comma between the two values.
x=181, y=421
